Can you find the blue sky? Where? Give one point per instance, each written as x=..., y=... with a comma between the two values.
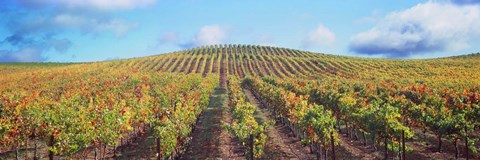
x=97, y=30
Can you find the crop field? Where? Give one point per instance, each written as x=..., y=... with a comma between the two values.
x=242, y=102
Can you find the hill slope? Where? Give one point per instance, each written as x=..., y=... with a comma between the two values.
x=375, y=97
x=243, y=60
x=252, y=60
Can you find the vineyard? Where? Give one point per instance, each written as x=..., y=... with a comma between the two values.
x=242, y=102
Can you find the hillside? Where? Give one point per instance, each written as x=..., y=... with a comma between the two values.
x=243, y=60
x=242, y=101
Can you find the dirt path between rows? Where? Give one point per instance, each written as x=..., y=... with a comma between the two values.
x=281, y=143
x=210, y=140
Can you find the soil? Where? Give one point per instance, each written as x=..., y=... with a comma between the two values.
x=143, y=147
x=255, y=68
x=230, y=64
x=178, y=64
x=239, y=68
x=200, y=63
x=278, y=66
x=207, y=66
x=173, y=61
x=192, y=64
x=270, y=65
x=423, y=149
x=185, y=65
x=261, y=66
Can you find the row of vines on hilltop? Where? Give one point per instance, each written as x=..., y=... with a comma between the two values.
x=89, y=107
x=259, y=61
x=243, y=60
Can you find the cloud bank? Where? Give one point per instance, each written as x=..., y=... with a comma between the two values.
x=427, y=27
x=465, y=2
x=22, y=55
x=89, y=4
x=35, y=26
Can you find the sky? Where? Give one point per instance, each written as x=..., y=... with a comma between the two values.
x=98, y=30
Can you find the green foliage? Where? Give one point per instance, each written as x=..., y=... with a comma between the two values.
x=321, y=121
x=244, y=123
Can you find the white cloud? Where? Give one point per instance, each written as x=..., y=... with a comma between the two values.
x=32, y=27
x=27, y=55
x=22, y=55
x=210, y=34
x=168, y=37
x=92, y=24
x=264, y=40
x=372, y=18
x=60, y=45
x=321, y=36
x=206, y=35
x=465, y=2
x=427, y=27
x=91, y=4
